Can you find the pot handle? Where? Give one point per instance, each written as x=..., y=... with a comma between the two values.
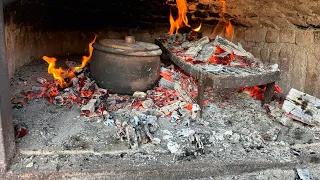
x=130, y=39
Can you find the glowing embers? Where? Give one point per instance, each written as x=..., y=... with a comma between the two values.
x=257, y=92
x=182, y=19
x=65, y=76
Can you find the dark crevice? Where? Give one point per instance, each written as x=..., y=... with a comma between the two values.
x=300, y=26
x=314, y=26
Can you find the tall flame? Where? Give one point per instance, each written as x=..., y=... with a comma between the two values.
x=229, y=31
x=182, y=19
x=224, y=27
x=223, y=6
x=64, y=77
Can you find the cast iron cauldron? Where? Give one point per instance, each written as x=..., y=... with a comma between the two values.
x=125, y=66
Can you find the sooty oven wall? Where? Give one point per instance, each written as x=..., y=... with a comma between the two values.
x=61, y=27
x=283, y=32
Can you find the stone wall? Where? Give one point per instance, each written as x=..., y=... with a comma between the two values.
x=283, y=32
x=295, y=50
x=25, y=44
x=250, y=13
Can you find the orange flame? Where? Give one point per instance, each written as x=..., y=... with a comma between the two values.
x=182, y=19
x=224, y=27
x=61, y=75
x=229, y=31
x=223, y=6
x=198, y=28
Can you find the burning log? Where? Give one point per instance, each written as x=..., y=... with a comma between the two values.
x=195, y=46
x=205, y=53
x=174, y=38
x=65, y=76
x=166, y=83
x=185, y=95
x=302, y=107
x=170, y=108
x=231, y=47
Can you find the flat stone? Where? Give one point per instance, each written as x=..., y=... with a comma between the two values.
x=274, y=56
x=313, y=77
x=260, y=34
x=265, y=55
x=304, y=37
x=207, y=2
x=192, y=7
x=316, y=37
x=287, y=36
x=256, y=51
x=272, y=36
x=248, y=35
x=299, y=69
x=239, y=33
x=284, y=60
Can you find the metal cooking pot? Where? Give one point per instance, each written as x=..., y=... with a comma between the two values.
x=125, y=66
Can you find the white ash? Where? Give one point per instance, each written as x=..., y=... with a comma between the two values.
x=233, y=127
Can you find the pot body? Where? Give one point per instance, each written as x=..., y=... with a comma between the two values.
x=124, y=74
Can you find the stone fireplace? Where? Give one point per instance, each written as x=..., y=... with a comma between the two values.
x=286, y=33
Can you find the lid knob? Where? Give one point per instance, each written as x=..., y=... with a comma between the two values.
x=130, y=39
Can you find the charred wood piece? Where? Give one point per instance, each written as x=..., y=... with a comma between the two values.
x=231, y=47
x=302, y=107
x=195, y=46
x=89, y=107
x=174, y=38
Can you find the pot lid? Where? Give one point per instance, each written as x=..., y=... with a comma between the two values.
x=128, y=44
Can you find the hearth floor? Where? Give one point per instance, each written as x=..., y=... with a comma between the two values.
x=239, y=137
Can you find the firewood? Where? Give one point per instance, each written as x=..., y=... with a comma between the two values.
x=184, y=94
x=205, y=53
x=89, y=107
x=165, y=110
x=165, y=83
x=196, y=46
x=231, y=47
x=302, y=107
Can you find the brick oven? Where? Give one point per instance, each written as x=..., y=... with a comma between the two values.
x=284, y=33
